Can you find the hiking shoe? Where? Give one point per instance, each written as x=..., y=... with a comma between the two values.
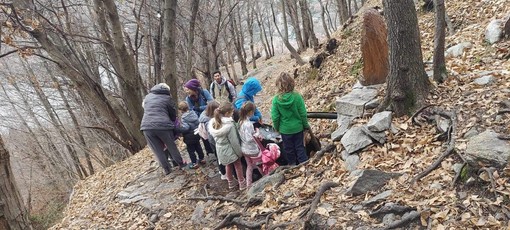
x=242, y=185
x=202, y=161
x=192, y=166
x=223, y=176
x=231, y=184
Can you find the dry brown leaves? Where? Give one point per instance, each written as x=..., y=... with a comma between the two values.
x=410, y=151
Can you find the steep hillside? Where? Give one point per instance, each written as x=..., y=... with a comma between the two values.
x=198, y=199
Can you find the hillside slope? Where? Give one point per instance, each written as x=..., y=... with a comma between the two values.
x=95, y=202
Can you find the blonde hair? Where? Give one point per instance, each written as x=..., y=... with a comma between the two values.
x=225, y=107
x=245, y=110
x=183, y=106
x=285, y=83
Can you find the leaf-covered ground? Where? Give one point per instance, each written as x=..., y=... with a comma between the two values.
x=410, y=151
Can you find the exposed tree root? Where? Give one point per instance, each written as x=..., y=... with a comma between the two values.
x=413, y=117
x=451, y=132
x=404, y=221
x=220, y=198
x=306, y=215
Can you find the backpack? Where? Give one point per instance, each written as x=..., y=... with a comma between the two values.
x=228, y=88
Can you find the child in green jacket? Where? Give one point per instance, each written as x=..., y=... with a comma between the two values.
x=289, y=117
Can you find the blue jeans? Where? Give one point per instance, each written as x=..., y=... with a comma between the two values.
x=294, y=148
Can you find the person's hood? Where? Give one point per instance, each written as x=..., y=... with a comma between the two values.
x=189, y=116
x=251, y=87
x=223, y=80
x=160, y=88
x=203, y=118
x=286, y=100
x=227, y=123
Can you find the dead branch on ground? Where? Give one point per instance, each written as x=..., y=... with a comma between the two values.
x=451, y=132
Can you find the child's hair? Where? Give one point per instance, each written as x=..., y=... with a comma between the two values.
x=245, y=110
x=285, y=83
x=183, y=106
x=211, y=106
x=220, y=112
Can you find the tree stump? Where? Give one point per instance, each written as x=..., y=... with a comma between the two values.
x=374, y=48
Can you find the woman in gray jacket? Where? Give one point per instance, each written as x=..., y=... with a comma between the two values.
x=158, y=124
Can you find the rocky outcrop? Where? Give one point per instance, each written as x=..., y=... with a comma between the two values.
x=374, y=48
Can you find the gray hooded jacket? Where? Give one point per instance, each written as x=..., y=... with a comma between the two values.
x=159, y=111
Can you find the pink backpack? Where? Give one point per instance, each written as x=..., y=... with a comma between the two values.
x=269, y=156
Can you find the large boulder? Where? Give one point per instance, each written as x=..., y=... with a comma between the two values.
x=486, y=149
x=374, y=48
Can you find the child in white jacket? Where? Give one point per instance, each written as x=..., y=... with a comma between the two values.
x=249, y=145
x=228, y=146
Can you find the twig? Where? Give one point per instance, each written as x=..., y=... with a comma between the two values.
x=503, y=111
x=220, y=198
x=451, y=143
x=490, y=171
x=205, y=189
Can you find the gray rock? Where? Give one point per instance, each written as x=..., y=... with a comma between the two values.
x=388, y=219
x=372, y=104
x=259, y=186
x=444, y=124
x=370, y=180
x=351, y=162
x=355, y=139
x=485, y=80
x=457, y=167
x=331, y=221
x=377, y=198
x=393, y=129
x=494, y=31
x=343, y=125
x=486, y=149
x=458, y=50
x=436, y=186
x=356, y=208
x=473, y=131
x=198, y=214
x=380, y=121
x=380, y=137
x=353, y=104
x=462, y=195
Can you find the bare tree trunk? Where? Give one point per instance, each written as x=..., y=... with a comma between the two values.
x=191, y=37
x=46, y=171
x=343, y=11
x=263, y=34
x=323, y=19
x=238, y=44
x=169, y=38
x=439, y=66
x=408, y=85
x=54, y=152
x=292, y=8
x=206, y=63
x=285, y=35
x=13, y=213
x=306, y=16
x=57, y=124
x=79, y=131
x=231, y=61
x=250, y=19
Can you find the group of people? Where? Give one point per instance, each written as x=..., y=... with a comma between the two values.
x=230, y=121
